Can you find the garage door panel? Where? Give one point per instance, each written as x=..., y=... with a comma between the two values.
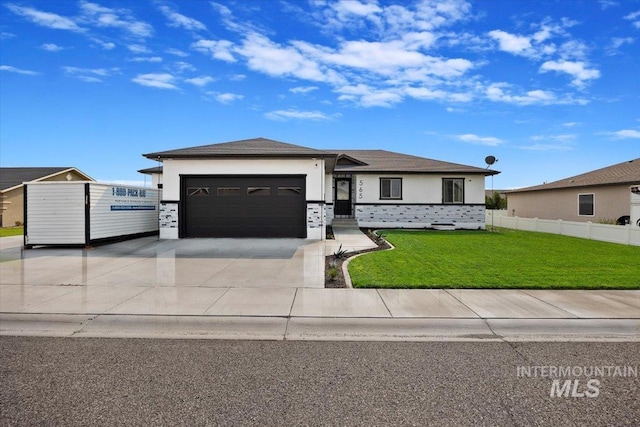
x=244, y=206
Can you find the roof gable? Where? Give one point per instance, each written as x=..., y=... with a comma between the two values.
x=344, y=160
x=256, y=147
x=14, y=177
x=622, y=173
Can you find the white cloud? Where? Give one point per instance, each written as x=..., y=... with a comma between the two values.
x=89, y=75
x=546, y=147
x=422, y=15
x=618, y=42
x=283, y=115
x=570, y=124
x=605, y=4
x=634, y=18
x=157, y=80
x=237, y=77
x=303, y=89
x=178, y=20
x=555, y=138
x=12, y=69
x=200, y=81
x=228, y=98
x=518, y=45
x=368, y=96
x=271, y=58
x=138, y=48
x=577, y=70
x=501, y=92
x=52, y=47
x=182, y=66
x=45, y=19
x=103, y=44
x=624, y=134
x=146, y=59
x=176, y=52
x=115, y=18
x=218, y=49
x=489, y=141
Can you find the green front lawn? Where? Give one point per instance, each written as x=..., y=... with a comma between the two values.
x=11, y=231
x=502, y=259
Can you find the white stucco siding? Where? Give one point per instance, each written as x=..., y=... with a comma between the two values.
x=418, y=188
x=328, y=188
x=312, y=168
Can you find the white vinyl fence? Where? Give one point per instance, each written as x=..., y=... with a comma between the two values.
x=623, y=234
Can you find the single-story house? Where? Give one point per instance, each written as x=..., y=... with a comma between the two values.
x=599, y=195
x=264, y=188
x=12, y=191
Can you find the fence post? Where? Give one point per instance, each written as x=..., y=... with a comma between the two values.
x=560, y=222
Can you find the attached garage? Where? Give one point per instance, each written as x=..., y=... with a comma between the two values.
x=243, y=206
x=250, y=188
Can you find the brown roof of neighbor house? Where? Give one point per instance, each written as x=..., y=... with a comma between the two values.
x=622, y=173
x=256, y=147
x=14, y=177
x=387, y=161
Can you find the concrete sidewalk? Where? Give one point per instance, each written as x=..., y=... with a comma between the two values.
x=336, y=314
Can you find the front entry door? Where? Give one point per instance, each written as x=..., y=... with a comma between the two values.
x=343, y=196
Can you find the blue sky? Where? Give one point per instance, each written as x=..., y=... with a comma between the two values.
x=551, y=88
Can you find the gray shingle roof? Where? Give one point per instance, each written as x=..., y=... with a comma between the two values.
x=256, y=147
x=388, y=161
x=11, y=177
x=622, y=173
x=150, y=171
x=349, y=161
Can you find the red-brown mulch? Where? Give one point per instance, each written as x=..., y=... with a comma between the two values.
x=339, y=281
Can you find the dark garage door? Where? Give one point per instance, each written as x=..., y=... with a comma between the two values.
x=244, y=206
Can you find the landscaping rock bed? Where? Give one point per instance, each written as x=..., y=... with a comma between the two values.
x=337, y=279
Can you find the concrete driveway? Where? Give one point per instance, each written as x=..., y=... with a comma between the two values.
x=212, y=263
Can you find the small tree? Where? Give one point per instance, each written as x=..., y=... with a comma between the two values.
x=496, y=201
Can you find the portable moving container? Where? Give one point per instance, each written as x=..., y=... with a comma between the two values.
x=87, y=213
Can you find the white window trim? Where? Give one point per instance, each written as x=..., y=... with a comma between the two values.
x=391, y=179
x=594, y=204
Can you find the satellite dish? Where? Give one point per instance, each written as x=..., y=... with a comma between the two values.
x=489, y=160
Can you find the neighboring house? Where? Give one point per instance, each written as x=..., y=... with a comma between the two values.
x=265, y=188
x=600, y=195
x=11, y=188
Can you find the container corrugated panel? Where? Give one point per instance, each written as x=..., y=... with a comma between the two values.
x=55, y=214
x=121, y=210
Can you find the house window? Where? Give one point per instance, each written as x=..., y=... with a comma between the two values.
x=289, y=191
x=228, y=191
x=259, y=191
x=586, y=204
x=390, y=188
x=198, y=191
x=453, y=190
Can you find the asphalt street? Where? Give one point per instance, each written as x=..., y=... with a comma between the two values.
x=84, y=381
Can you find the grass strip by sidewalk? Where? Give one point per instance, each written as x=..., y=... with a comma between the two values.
x=11, y=231
x=503, y=259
